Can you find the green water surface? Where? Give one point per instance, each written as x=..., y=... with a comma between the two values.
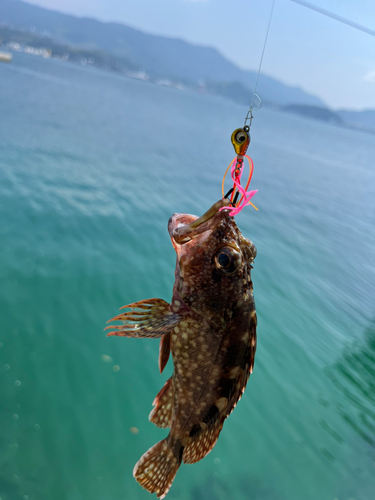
x=92, y=165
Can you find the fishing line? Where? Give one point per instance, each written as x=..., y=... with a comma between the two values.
x=249, y=115
x=241, y=140
x=336, y=17
x=241, y=136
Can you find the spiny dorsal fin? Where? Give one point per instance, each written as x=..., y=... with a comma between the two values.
x=246, y=367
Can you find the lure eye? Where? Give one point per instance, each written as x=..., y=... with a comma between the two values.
x=227, y=259
x=240, y=140
x=241, y=137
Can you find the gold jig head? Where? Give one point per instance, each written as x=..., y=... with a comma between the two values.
x=240, y=140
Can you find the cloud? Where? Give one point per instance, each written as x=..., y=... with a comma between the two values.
x=369, y=77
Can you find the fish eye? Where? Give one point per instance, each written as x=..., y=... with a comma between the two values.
x=227, y=259
x=241, y=137
x=223, y=260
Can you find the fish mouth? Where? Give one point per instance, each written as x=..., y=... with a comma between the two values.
x=184, y=227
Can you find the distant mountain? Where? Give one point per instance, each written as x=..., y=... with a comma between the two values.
x=158, y=56
x=231, y=90
x=21, y=40
x=360, y=119
x=315, y=112
x=364, y=120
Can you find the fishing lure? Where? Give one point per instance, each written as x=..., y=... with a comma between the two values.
x=240, y=140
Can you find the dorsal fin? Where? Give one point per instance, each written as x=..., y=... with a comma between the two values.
x=203, y=435
x=202, y=441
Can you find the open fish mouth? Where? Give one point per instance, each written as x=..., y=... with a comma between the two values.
x=184, y=227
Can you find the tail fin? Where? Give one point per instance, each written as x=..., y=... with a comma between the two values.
x=157, y=468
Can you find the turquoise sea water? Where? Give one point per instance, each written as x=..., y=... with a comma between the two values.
x=92, y=165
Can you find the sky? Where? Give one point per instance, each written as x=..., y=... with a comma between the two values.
x=306, y=49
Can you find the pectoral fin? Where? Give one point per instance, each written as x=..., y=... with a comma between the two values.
x=148, y=318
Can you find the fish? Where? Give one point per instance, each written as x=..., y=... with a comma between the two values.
x=210, y=328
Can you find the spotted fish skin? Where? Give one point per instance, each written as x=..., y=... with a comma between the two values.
x=210, y=328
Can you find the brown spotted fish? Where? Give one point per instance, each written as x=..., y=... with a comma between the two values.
x=210, y=327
